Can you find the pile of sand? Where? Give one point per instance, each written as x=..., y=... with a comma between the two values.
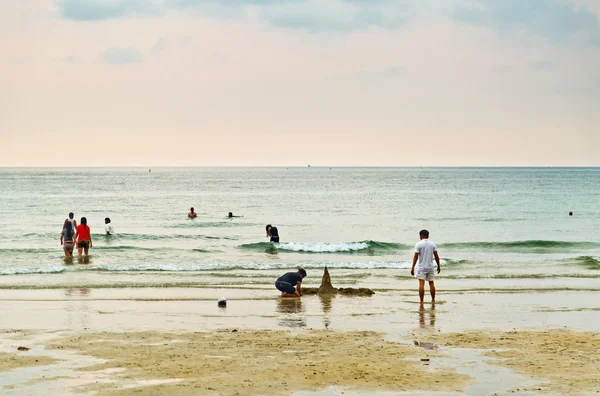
x=258, y=362
x=327, y=288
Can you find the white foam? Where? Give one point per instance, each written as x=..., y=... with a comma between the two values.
x=321, y=247
x=24, y=271
x=363, y=265
x=206, y=267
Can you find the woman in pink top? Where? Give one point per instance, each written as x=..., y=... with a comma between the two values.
x=83, y=237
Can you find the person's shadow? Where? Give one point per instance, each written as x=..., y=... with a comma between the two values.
x=427, y=316
x=292, y=312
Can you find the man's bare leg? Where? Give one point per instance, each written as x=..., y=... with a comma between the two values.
x=421, y=289
x=432, y=291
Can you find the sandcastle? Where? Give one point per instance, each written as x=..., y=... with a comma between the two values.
x=327, y=288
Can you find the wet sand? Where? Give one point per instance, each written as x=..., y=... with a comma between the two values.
x=160, y=341
x=564, y=362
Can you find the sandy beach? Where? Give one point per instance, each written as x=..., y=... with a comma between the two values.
x=177, y=341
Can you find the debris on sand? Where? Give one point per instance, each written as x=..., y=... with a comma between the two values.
x=426, y=345
x=327, y=288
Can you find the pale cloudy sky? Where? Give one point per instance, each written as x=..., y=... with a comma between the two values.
x=296, y=82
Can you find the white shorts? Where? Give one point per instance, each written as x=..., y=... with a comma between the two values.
x=426, y=276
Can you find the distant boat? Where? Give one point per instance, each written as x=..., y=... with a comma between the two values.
x=309, y=166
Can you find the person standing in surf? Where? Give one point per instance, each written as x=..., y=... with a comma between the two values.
x=83, y=237
x=425, y=252
x=67, y=239
x=71, y=220
x=287, y=283
x=192, y=214
x=108, y=228
x=273, y=233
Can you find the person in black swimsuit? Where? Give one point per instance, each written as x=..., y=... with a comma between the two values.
x=287, y=282
x=273, y=233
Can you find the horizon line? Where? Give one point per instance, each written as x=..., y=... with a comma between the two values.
x=298, y=166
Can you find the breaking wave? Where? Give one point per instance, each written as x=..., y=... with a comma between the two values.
x=366, y=247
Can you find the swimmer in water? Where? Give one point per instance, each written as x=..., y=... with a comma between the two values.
x=273, y=233
x=230, y=215
x=108, y=228
x=192, y=214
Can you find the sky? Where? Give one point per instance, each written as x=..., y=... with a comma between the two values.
x=297, y=82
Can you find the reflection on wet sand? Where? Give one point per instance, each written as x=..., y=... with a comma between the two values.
x=429, y=319
x=84, y=259
x=77, y=292
x=78, y=315
x=292, y=312
x=326, y=301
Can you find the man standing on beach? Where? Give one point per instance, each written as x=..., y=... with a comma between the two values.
x=425, y=252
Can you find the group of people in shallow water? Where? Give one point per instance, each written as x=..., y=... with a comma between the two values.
x=80, y=235
x=289, y=284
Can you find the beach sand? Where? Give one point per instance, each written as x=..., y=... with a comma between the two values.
x=10, y=361
x=259, y=362
x=177, y=341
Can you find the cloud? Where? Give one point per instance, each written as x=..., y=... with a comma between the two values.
x=315, y=15
x=556, y=20
x=69, y=59
x=121, y=56
x=95, y=10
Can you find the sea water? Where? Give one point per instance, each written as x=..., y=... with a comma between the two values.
x=506, y=227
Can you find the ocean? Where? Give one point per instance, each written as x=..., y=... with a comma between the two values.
x=495, y=228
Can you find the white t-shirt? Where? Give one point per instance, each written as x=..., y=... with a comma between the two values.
x=109, y=228
x=425, y=248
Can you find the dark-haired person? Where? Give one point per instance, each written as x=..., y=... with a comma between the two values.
x=425, y=252
x=286, y=283
x=273, y=233
x=70, y=219
x=192, y=214
x=108, y=227
x=83, y=237
x=67, y=239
